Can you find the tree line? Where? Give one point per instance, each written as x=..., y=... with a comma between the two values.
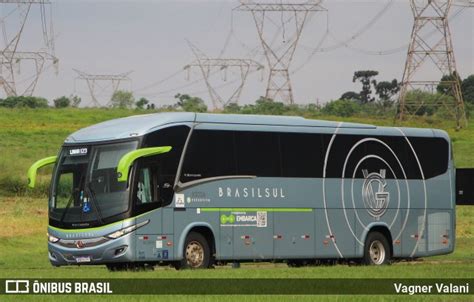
x=375, y=98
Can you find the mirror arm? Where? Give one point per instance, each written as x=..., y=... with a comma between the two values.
x=32, y=171
x=128, y=159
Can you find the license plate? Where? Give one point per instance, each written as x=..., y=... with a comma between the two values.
x=83, y=259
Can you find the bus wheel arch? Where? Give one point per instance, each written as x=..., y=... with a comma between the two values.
x=378, y=244
x=200, y=236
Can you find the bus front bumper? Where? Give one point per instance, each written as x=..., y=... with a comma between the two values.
x=91, y=251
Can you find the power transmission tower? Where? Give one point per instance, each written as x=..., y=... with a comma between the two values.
x=430, y=62
x=11, y=56
x=279, y=59
x=208, y=66
x=464, y=3
x=114, y=81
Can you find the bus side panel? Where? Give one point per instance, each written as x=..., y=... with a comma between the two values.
x=414, y=234
x=339, y=221
x=252, y=241
x=439, y=232
x=226, y=239
x=323, y=245
x=168, y=230
x=148, y=246
x=395, y=228
x=344, y=240
x=294, y=235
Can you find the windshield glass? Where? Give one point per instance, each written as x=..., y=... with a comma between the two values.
x=85, y=189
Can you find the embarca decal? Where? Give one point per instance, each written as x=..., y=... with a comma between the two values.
x=244, y=219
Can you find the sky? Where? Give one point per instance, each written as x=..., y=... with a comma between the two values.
x=150, y=39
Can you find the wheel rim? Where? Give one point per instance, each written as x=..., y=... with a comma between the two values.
x=377, y=252
x=194, y=254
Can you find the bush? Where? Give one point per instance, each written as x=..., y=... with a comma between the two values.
x=343, y=108
x=17, y=186
x=62, y=102
x=432, y=103
x=24, y=101
x=232, y=108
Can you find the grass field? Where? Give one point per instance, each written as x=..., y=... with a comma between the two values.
x=27, y=135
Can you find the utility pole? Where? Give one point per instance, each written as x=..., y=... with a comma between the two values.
x=208, y=66
x=430, y=62
x=292, y=17
x=11, y=56
x=92, y=81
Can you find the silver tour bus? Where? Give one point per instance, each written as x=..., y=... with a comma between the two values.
x=196, y=190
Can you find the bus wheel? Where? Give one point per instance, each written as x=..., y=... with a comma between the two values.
x=376, y=249
x=197, y=253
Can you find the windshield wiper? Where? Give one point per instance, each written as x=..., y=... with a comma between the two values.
x=94, y=202
x=67, y=206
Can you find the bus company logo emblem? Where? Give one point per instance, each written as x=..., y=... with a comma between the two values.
x=375, y=197
x=179, y=201
x=227, y=219
x=80, y=244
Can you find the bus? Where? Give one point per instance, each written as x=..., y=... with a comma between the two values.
x=195, y=190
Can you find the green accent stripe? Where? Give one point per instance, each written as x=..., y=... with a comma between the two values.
x=98, y=228
x=286, y=210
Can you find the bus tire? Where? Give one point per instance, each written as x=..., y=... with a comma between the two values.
x=196, y=252
x=376, y=249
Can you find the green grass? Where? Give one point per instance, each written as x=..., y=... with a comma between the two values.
x=27, y=135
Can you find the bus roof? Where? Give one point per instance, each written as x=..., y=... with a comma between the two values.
x=138, y=125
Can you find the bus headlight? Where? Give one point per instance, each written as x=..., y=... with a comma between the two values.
x=126, y=230
x=52, y=239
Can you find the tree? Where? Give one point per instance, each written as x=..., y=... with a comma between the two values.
x=190, y=103
x=141, y=103
x=350, y=96
x=62, y=102
x=446, y=83
x=467, y=88
x=122, y=99
x=386, y=90
x=75, y=101
x=365, y=77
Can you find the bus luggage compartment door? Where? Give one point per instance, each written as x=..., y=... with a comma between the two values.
x=465, y=186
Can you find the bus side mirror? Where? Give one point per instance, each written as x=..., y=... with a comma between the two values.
x=127, y=160
x=32, y=171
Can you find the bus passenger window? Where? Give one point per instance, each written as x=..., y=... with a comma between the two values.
x=210, y=154
x=144, y=186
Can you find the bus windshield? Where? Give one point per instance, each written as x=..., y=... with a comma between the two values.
x=85, y=189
